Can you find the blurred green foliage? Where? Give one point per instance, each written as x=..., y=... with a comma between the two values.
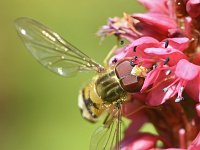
x=38, y=109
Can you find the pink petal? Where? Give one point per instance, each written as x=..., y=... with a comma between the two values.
x=147, y=30
x=192, y=88
x=142, y=141
x=193, y=8
x=173, y=54
x=176, y=32
x=157, y=96
x=195, y=145
x=128, y=51
x=186, y=70
x=141, y=43
x=178, y=43
x=150, y=78
x=158, y=22
x=118, y=57
x=158, y=6
x=142, y=40
x=119, y=54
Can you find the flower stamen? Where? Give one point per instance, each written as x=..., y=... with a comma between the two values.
x=114, y=60
x=178, y=99
x=165, y=90
x=132, y=63
x=168, y=72
x=166, y=43
x=134, y=48
x=135, y=58
x=166, y=61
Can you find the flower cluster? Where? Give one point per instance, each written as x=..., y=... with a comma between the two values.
x=165, y=41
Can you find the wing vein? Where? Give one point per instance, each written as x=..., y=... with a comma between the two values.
x=44, y=43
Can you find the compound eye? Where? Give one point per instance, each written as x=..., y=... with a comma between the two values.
x=129, y=82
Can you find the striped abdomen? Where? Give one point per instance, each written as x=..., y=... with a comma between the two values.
x=108, y=87
x=90, y=103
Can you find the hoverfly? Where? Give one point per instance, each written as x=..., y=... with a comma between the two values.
x=106, y=92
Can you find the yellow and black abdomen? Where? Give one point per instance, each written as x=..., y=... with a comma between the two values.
x=90, y=103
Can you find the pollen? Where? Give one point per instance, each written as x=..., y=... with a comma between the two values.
x=139, y=71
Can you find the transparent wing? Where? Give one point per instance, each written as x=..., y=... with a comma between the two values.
x=108, y=136
x=52, y=51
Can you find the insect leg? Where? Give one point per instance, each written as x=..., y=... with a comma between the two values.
x=106, y=60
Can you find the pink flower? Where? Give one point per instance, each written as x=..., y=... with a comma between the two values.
x=157, y=6
x=181, y=75
x=178, y=72
x=120, y=27
x=158, y=23
x=164, y=50
x=154, y=24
